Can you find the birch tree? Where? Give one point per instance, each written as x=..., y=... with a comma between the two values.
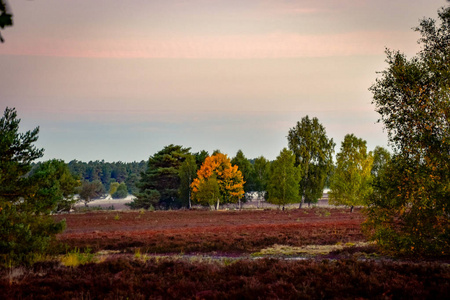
x=283, y=181
x=350, y=184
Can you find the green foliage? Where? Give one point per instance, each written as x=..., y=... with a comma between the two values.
x=261, y=177
x=187, y=173
x=162, y=175
x=351, y=181
x=121, y=192
x=409, y=209
x=200, y=158
x=283, y=181
x=55, y=186
x=26, y=228
x=208, y=192
x=113, y=187
x=247, y=170
x=381, y=158
x=24, y=236
x=109, y=172
x=17, y=153
x=149, y=202
x=91, y=190
x=313, y=154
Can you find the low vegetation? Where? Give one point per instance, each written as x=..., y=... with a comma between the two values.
x=238, y=232
x=169, y=278
x=221, y=254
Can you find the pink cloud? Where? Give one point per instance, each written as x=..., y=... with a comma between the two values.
x=276, y=45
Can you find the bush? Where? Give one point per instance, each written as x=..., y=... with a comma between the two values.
x=121, y=192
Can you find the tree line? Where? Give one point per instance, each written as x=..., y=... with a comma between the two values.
x=177, y=178
x=98, y=179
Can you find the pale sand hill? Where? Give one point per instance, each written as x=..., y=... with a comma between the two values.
x=119, y=204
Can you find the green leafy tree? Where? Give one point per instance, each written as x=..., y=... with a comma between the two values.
x=247, y=170
x=262, y=171
x=283, y=181
x=381, y=158
x=187, y=173
x=55, y=186
x=113, y=188
x=26, y=228
x=313, y=152
x=351, y=181
x=91, y=190
x=121, y=192
x=162, y=175
x=409, y=209
x=149, y=202
x=209, y=192
x=131, y=181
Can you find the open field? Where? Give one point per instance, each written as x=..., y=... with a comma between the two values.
x=202, y=231
x=313, y=253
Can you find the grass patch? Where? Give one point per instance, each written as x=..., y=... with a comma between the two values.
x=142, y=257
x=75, y=258
x=309, y=250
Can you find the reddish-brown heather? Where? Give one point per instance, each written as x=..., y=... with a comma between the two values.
x=125, y=278
x=207, y=231
x=177, y=277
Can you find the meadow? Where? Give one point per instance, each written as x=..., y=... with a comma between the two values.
x=203, y=231
x=317, y=253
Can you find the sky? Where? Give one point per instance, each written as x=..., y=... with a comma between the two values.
x=119, y=80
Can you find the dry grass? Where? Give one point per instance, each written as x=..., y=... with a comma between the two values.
x=308, y=250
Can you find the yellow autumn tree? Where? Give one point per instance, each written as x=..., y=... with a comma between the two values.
x=228, y=177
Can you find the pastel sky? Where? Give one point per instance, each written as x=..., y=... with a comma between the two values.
x=119, y=80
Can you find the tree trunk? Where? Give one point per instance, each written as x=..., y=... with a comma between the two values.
x=304, y=183
x=301, y=203
x=351, y=208
x=190, y=205
x=189, y=200
x=217, y=207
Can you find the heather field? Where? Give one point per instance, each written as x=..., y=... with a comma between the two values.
x=317, y=253
x=203, y=231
